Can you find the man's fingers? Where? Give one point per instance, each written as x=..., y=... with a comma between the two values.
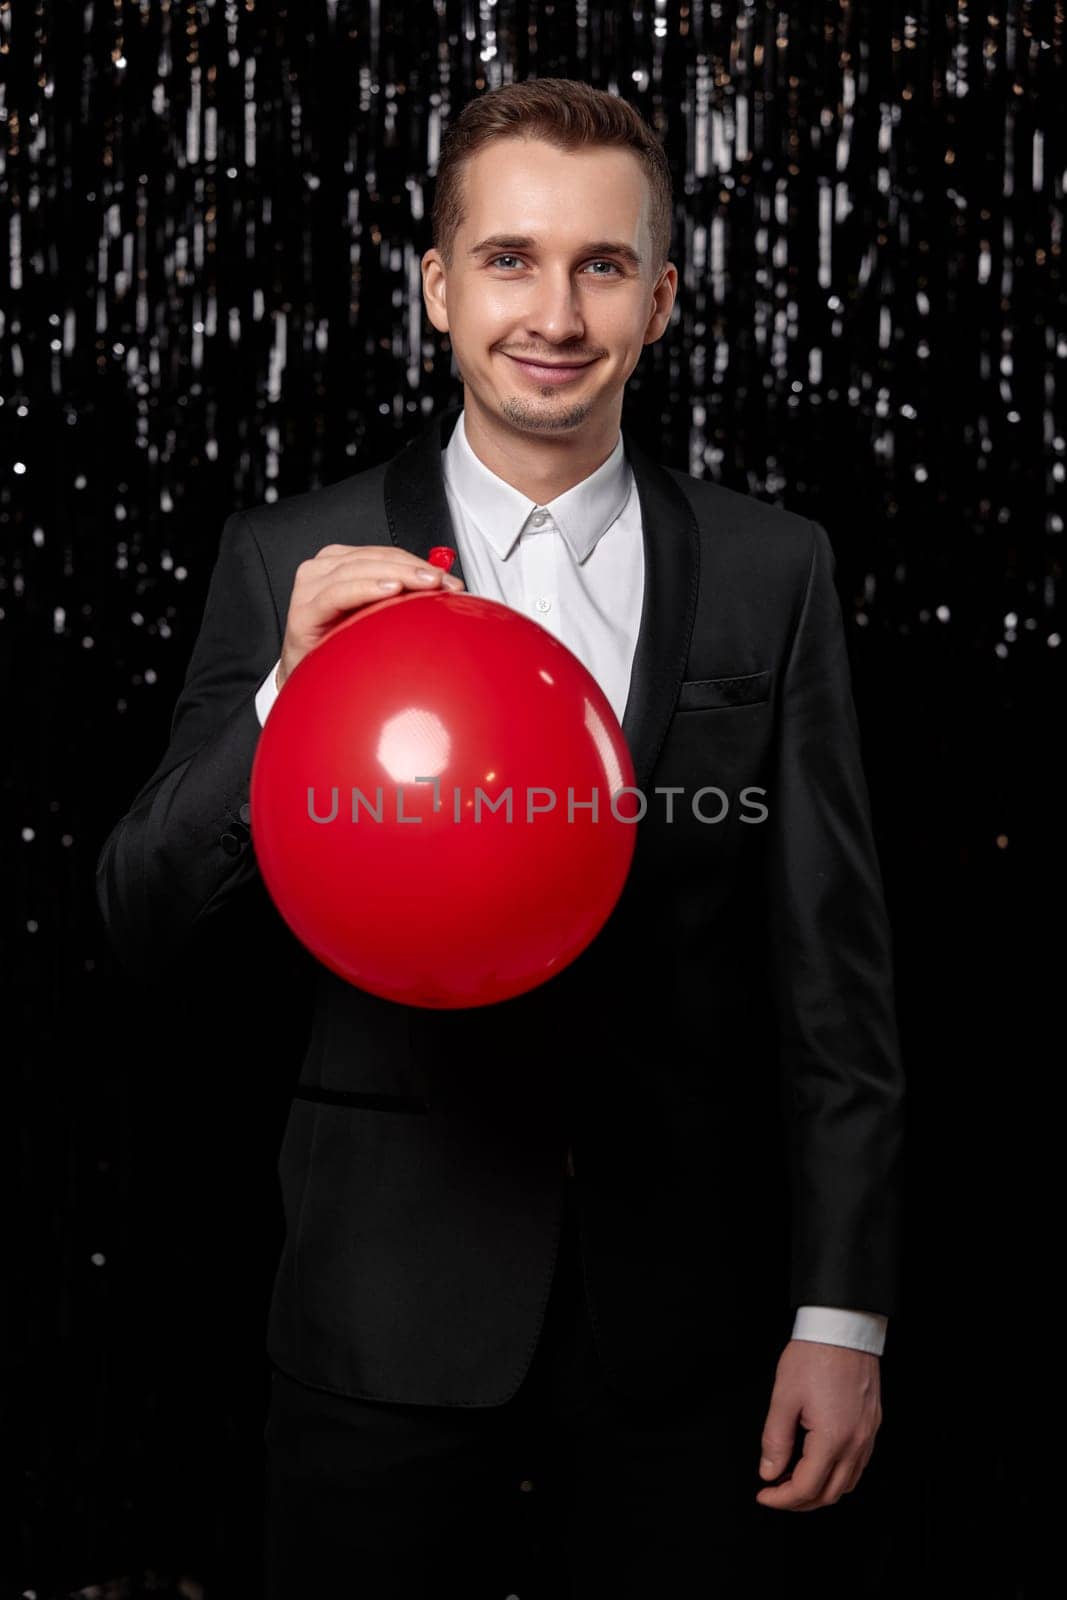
x=346, y=593
x=365, y=576
x=857, y=1466
x=369, y=568
x=387, y=550
x=331, y=554
x=808, y=1478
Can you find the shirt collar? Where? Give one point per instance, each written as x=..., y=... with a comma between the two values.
x=583, y=513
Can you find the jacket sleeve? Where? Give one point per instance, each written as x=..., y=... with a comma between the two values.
x=832, y=977
x=183, y=849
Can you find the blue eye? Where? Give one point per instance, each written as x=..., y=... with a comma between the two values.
x=597, y=261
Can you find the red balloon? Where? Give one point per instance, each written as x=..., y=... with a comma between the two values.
x=380, y=810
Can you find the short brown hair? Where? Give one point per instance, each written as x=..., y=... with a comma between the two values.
x=566, y=113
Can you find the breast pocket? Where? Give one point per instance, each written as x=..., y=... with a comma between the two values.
x=709, y=694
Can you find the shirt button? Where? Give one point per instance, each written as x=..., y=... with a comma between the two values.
x=539, y=518
x=544, y=605
x=230, y=843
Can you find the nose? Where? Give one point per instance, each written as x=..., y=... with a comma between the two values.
x=554, y=315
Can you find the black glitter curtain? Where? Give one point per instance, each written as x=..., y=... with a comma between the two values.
x=214, y=214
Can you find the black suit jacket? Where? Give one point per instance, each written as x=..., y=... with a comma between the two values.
x=723, y=1058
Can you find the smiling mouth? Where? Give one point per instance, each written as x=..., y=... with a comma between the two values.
x=558, y=366
x=550, y=371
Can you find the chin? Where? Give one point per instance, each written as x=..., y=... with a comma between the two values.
x=549, y=415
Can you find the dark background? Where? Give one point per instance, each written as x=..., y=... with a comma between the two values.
x=214, y=215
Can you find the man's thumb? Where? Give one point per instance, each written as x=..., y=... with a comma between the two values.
x=775, y=1454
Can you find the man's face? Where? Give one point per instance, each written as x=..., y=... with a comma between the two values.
x=552, y=298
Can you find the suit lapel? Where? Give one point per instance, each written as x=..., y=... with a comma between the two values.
x=672, y=570
x=416, y=509
x=416, y=506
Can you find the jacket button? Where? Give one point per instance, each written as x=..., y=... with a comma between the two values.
x=230, y=843
x=245, y=814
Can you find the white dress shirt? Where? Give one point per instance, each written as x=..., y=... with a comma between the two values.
x=576, y=565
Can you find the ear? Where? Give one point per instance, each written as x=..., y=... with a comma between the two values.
x=433, y=290
x=662, y=303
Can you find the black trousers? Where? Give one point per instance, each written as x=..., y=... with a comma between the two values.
x=569, y=1491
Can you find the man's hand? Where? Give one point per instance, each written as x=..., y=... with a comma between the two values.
x=340, y=578
x=835, y=1393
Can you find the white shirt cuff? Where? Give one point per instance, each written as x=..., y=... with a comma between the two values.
x=267, y=693
x=859, y=1330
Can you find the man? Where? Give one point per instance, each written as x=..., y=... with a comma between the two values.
x=572, y=1229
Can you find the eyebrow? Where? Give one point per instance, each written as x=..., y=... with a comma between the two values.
x=515, y=241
